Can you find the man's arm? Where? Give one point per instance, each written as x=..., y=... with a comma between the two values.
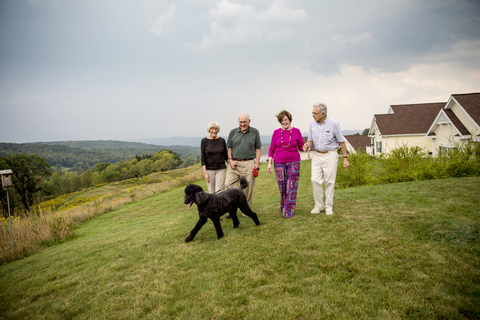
x=258, y=154
x=343, y=145
x=230, y=161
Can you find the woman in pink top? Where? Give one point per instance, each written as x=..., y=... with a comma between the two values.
x=286, y=142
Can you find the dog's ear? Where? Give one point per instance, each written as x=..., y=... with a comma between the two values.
x=200, y=197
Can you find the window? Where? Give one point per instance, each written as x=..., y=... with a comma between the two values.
x=446, y=150
x=379, y=147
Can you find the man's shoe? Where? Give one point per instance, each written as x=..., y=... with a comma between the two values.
x=329, y=212
x=316, y=210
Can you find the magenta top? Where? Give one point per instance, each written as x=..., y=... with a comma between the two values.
x=289, y=151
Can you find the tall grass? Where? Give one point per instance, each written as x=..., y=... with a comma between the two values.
x=54, y=220
x=397, y=251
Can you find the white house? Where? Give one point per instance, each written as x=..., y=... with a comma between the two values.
x=456, y=122
x=403, y=125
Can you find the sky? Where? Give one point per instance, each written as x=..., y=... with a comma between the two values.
x=138, y=69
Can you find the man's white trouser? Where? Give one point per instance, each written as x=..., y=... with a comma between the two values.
x=324, y=171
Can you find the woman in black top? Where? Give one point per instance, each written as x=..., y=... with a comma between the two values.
x=213, y=155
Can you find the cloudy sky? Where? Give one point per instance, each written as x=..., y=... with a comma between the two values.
x=135, y=69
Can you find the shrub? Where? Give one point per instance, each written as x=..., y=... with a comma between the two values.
x=406, y=164
x=462, y=160
x=359, y=173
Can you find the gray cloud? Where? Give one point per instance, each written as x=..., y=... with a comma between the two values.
x=167, y=68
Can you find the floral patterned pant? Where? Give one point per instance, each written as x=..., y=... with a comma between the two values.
x=287, y=175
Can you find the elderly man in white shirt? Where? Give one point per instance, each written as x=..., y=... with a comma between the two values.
x=324, y=137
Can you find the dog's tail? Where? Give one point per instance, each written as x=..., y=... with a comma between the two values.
x=243, y=183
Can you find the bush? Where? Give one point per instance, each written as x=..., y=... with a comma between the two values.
x=462, y=160
x=359, y=173
x=406, y=164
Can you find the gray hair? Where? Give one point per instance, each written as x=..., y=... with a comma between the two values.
x=322, y=107
x=213, y=124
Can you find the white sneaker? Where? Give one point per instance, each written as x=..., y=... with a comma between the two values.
x=328, y=212
x=317, y=209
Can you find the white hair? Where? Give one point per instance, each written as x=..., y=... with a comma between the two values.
x=213, y=124
x=322, y=107
x=248, y=116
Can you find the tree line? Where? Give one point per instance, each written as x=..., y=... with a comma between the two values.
x=34, y=180
x=79, y=156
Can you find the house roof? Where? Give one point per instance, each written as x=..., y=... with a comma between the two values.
x=470, y=102
x=361, y=142
x=408, y=118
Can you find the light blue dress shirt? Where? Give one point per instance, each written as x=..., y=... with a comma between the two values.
x=325, y=136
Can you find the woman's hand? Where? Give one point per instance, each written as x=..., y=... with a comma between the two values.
x=269, y=168
x=207, y=177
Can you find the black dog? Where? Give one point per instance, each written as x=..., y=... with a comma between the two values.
x=213, y=206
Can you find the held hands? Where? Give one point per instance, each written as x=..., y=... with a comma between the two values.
x=306, y=147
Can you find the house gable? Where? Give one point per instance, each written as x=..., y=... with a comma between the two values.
x=447, y=118
x=466, y=108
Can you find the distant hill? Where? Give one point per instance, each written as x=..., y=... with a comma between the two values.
x=195, y=141
x=187, y=141
x=82, y=155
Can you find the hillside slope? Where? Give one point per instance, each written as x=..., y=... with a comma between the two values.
x=391, y=251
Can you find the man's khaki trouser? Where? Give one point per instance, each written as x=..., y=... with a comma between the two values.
x=243, y=169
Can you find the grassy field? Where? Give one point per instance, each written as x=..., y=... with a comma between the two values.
x=398, y=251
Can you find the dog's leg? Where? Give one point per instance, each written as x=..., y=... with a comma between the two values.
x=218, y=227
x=201, y=221
x=245, y=208
x=233, y=215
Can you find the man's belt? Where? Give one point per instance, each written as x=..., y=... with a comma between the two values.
x=327, y=151
x=236, y=159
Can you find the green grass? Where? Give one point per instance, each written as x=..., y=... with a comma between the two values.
x=398, y=251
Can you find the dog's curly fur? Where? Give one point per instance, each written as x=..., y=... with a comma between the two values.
x=213, y=206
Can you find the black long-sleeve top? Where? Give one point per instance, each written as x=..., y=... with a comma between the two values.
x=213, y=153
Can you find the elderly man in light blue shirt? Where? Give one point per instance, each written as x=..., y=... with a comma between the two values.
x=324, y=137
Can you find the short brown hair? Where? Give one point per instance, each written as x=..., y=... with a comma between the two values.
x=282, y=114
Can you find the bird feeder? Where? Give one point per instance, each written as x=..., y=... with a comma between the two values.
x=6, y=179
